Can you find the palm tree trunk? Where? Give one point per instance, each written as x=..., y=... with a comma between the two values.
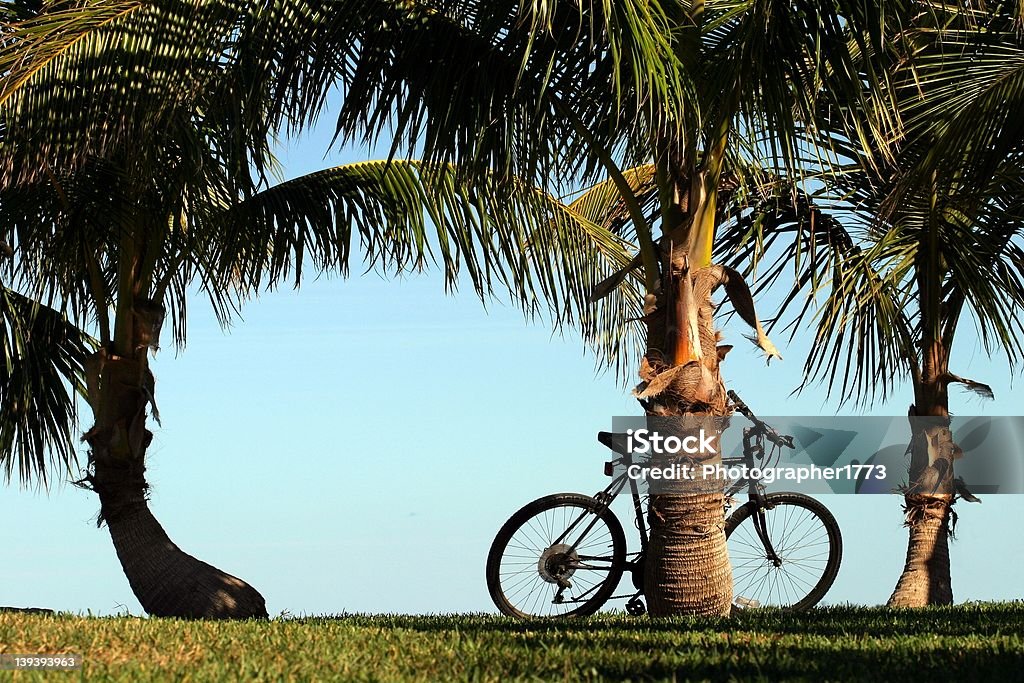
x=930, y=492
x=928, y=508
x=171, y=583
x=687, y=568
x=926, y=577
x=167, y=581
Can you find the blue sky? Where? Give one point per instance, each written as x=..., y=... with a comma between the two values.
x=355, y=446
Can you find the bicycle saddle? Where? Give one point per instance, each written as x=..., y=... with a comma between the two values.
x=616, y=442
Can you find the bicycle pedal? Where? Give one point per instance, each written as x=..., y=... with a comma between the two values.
x=636, y=607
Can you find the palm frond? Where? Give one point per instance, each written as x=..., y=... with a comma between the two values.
x=41, y=372
x=961, y=89
x=117, y=71
x=120, y=70
x=403, y=216
x=833, y=278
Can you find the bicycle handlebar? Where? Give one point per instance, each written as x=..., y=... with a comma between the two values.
x=769, y=432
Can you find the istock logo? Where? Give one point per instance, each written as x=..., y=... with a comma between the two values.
x=642, y=440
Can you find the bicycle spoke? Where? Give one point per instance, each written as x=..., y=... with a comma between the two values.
x=566, y=551
x=801, y=543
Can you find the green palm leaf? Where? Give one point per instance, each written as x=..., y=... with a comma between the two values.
x=118, y=71
x=403, y=216
x=41, y=372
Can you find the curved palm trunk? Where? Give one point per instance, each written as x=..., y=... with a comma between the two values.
x=167, y=581
x=171, y=583
x=687, y=568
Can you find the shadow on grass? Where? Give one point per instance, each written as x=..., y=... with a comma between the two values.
x=981, y=619
x=817, y=663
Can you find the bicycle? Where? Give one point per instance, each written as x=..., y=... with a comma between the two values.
x=564, y=554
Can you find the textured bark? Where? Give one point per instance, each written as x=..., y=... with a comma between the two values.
x=171, y=583
x=167, y=581
x=930, y=494
x=687, y=569
x=926, y=578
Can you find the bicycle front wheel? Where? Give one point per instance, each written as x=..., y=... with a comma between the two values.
x=807, y=545
x=559, y=556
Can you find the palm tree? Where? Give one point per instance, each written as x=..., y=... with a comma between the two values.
x=960, y=204
x=135, y=147
x=935, y=237
x=741, y=108
x=545, y=92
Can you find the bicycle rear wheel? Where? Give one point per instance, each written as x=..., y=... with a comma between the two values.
x=559, y=556
x=807, y=542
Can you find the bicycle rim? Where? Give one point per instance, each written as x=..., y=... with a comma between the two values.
x=805, y=537
x=533, y=558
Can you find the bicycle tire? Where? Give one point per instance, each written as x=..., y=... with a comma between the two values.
x=531, y=570
x=785, y=530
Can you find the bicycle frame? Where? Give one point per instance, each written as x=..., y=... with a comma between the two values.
x=753, y=449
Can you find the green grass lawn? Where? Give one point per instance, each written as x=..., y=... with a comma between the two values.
x=970, y=642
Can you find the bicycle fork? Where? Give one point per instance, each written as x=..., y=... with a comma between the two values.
x=761, y=526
